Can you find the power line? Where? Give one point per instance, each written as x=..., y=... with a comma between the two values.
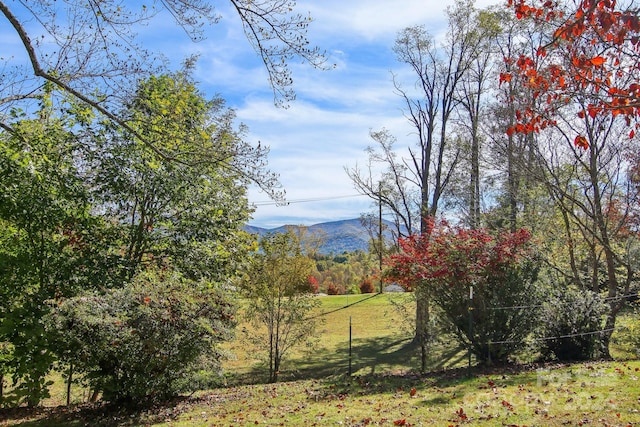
x=309, y=200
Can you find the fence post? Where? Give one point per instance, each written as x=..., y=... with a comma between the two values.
x=349, y=345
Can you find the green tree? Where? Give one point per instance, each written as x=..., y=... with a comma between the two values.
x=47, y=248
x=93, y=207
x=186, y=214
x=278, y=298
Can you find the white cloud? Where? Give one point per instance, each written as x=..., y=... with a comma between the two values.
x=327, y=127
x=371, y=19
x=310, y=147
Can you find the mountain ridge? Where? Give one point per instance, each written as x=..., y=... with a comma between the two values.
x=348, y=235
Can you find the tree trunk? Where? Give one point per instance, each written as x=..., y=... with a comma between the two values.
x=614, y=303
x=69, y=381
x=474, y=204
x=422, y=335
x=276, y=369
x=271, y=356
x=512, y=185
x=276, y=360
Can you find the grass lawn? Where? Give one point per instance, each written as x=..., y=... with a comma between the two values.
x=381, y=341
x=384, y=390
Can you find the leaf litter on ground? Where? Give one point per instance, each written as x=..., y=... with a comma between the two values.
x=593, y=393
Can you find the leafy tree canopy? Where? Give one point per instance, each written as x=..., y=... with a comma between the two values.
x=90, y=50
x=593, y=47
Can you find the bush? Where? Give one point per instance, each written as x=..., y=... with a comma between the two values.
x=502, y=271
x=627, y=335
x=502, y=315
x=366, y=286
x=143, y=341
x=333, y=289
x=570, y=319
x=313, y=285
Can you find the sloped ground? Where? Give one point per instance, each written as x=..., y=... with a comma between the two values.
x=597, y=393
x=384, y=389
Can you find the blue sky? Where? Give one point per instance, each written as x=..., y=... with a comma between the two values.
x=327, y=128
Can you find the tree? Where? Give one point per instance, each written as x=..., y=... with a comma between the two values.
x=343, y=273
x=472, y=274
x=190, y=214
x=90, y=51
x=414, y=188
x=592, y=193
x=473, y=103
x=86, y=206
x=395, y=190
x=511, y=154
x=48, y=247
x=278, y=297
x=584, y=75
x=594, y=47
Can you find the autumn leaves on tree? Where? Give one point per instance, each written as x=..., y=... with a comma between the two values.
x=590, y=56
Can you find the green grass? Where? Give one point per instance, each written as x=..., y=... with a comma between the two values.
x=603, y=394
x=600, y=394
x=381, y=341
x=315, y=389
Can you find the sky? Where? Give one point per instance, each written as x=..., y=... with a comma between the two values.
x=326, y=129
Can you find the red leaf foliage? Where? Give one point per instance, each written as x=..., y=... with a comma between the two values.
x=455, y=255
x=581, y=142
x=588, y=26
x=313, y=284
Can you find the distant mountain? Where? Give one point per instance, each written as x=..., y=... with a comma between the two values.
x=338, y=236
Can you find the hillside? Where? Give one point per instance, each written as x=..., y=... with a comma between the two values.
x=338, y=236
x=385, y=389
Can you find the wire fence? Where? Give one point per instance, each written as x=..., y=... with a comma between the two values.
x=577, y=334
x=515, y=307
x=518, y=307
x=573, y=335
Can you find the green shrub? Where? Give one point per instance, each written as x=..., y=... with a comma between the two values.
x=570, y=319
x=142, y=342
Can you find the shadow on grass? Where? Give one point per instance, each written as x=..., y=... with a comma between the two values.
x=371, y=356
x=391, y=365
x=439, y=387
